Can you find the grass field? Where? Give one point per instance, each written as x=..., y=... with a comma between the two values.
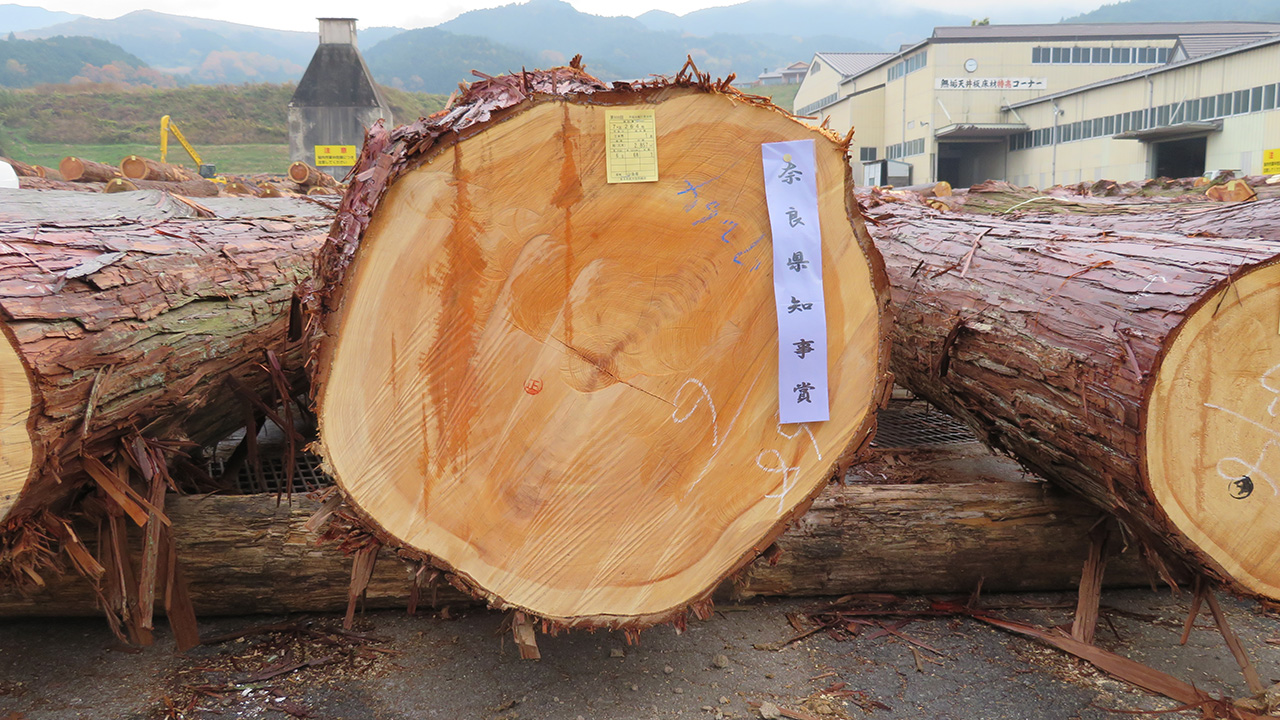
x=781, y=95
x=233, y=159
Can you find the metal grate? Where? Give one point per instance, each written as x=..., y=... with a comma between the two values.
x=307, y=475
x=917, y=424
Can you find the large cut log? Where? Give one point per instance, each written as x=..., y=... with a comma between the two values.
x=1138, y=368
x=136, y=167
x=248, y=554
x=76, y=169
x=118, y=327
x=539, y=380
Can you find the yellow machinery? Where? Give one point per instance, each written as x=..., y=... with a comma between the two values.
x=167, y=126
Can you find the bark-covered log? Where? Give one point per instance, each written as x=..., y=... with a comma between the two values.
x=116, y=327
x=1138, y=368
x=308, y=177
x=136, y=167
x=250, y=554
x=20, y=168
x=539, y=380
x=190, y=188
x=1236, y=220
x=76, y=169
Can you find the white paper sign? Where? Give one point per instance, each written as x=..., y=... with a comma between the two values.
x=791, y=193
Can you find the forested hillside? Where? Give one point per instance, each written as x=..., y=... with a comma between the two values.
x=26, y=63
x=1183, y=10
x=432, y=60
x=214, y=115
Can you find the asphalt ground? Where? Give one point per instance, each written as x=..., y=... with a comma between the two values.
x=459, y=663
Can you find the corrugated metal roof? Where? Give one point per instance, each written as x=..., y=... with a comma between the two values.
x=1197, y=45
x=1094, y=31
x=848, y=64
x=1269, y=40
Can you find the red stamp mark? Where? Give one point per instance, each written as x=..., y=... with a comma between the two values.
x=533, y=386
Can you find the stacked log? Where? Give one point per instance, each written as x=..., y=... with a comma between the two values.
x=76, y=169
x=135, y=167
x=115, y=328
x=190, y=188
x=508, y=390
x=308, y=177
x=20, y=168
x=251, y=554
x=1135, y=367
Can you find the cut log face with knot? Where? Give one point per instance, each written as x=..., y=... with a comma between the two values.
x=565, y=390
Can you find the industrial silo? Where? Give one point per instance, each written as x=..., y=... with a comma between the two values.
x=335, y=101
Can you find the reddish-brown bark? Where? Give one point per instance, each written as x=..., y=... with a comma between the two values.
x=1046, y=338
x=152, y=319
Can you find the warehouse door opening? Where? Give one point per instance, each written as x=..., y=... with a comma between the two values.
x=1180, y=158
x=968, y=163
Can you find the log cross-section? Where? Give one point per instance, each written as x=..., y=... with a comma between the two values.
x=540, y=380
x=1140, y=368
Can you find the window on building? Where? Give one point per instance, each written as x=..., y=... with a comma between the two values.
x=1269, y=97
x=867, y=154
x=1124, y=54
x=1240, y=101
x=1056, y=55
x=1255, y=100
x=1224, y=104
x=1192, y=111
x=1209, y=108
x=1162, y=115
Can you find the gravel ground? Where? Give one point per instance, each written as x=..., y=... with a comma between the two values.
x=460, y=665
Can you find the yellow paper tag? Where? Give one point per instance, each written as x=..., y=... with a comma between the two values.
x=631, y=145
x=335, y=155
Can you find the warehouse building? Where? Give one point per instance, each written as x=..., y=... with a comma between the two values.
x=1019, y=102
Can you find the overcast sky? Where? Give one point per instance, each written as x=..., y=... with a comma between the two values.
x=289, y=15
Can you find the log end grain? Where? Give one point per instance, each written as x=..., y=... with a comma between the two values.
x=566, y=391
x=72, y=168
x=1212, y=434
x=15, y=407
x=134, y=168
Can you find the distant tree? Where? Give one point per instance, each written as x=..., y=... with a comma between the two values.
x=983, y=21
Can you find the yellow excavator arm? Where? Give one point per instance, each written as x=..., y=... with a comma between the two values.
x=168, y=126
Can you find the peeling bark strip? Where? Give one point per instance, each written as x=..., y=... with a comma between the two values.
x=118, y=327
x=539, y=381
x=1139, y=368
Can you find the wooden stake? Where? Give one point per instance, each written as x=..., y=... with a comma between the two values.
x=361, y=571
x=526, y=640
x=1095, y=565
x=1233, y=644
x=1197, y=597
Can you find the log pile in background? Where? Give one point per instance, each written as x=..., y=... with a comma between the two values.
x=122, y=330
x=538, y=382
x=308, y=178
x=135, y=167
x=1136, y=367
x=76, y=169
x=190, y=188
